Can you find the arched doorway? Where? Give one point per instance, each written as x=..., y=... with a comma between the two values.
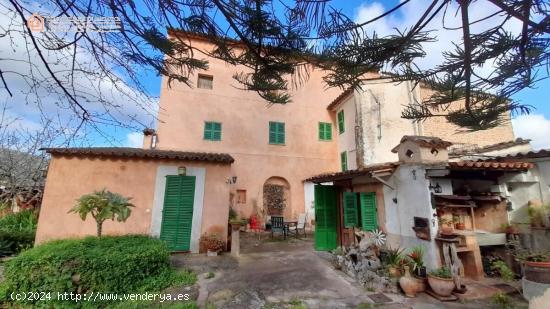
x=276, y=196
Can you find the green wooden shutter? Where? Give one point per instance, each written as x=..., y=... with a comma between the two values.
x=341, y=127
x=325, y=131
x=208, y=130
x=325, y=218
x=344, y=161
x=369, y=221
x=276, y=133
x=177, y=213
x=212, y=131
x=281, y=133
x=216, y=131
x=350, y=209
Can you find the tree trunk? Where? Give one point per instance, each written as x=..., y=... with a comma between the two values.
x=99, y=228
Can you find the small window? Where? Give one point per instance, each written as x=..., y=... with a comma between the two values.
x=276, y=133
x=434, y=151
x=212, y=131
x=241, y=196
x=344, y=161
x=341, y=127
x=409, y=153
x=325, y=131
x=205, y=81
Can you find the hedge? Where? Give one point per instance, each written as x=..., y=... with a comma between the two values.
x=110, y=264
x=17, y=231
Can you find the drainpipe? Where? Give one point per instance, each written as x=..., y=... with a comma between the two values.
x=359, y=143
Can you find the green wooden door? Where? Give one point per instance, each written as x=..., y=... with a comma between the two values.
x=177, y=213
x=369, y=221
x=325, y=218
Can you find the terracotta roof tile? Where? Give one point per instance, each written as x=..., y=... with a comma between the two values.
x=353, y=173
x=490, y=165
x=542, y=153
x=339, y=98
x=142, y=153
x=488, y=148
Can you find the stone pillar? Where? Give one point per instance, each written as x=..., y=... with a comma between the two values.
x=235, y=241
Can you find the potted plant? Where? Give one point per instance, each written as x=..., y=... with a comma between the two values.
x=459, y=222
x=536, y=214
x=509, y=228
x=416, y=262
x=212, y=244
x=445, y=226
x=441, y=281
x=536, y=266
x=395, y=261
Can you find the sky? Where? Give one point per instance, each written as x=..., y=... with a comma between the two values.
x=535, y=126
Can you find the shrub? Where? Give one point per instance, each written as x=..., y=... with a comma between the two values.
x=442, y=272
x=17, y=231
x=123, y=264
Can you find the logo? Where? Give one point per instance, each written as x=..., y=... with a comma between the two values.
x=36, y=23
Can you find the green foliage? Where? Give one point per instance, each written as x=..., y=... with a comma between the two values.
x=123, y=264
x=502, y=300
x=296, y=303
x=103, y=205
x=17, y=231
x=338, y=251
x=416, y=257
x=25, y=220
x=505, y=272
x=395, y=257
x=233, y=214
x=442, y=272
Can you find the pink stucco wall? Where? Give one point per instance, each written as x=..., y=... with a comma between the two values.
x=245, y=118
x=71, y=177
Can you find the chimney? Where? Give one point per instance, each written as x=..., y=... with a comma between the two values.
x=422, y=149
x=149, y=138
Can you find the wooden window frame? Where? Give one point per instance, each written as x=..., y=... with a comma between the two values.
x=205, y=76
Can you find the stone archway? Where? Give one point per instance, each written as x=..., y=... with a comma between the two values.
x=276, y=196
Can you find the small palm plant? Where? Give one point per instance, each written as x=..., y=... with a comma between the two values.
x=103, y=205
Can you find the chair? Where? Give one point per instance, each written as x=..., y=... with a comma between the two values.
x=278, y=226
x=300, y=226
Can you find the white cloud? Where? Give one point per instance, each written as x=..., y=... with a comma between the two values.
x=535, y=127
x=410, y=13
x=134, y=139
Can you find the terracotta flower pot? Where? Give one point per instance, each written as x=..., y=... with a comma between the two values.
x=460, y=226
x=446, y=230
x=537, y=271
x=512, y=230
x=394, y=271
x=441, y=286
x=408, y=284
x=421, y=284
